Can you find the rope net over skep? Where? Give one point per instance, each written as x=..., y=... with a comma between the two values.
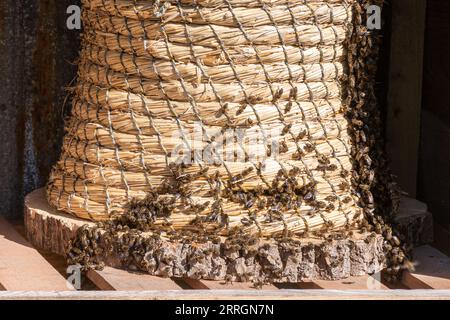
x=201, y=119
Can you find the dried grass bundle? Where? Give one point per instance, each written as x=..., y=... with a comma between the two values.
x=302, y=12
x=223, y=108
x=212, y=125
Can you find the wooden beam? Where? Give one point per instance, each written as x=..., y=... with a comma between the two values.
x=222, y=285
x=432, y=270
x=121, y=280
x=234, y=295
x=51, y=230
x=352, y=283
x=22, y=268
x=405, y=90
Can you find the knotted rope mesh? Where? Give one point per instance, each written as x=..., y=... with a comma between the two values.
x=229, y=112
x=224, y=118
x=204, y=120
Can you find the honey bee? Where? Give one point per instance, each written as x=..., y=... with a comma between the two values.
x=286, y=129
x=269, y=150
x=293, y=93
x=288, y=107
x=297, y=155
x=309, y=147
x=223, y=110
x=344, y=186
x=228, y=279
x=283, y=147
x=277, y=95
x=301, y=135
x=241, y=109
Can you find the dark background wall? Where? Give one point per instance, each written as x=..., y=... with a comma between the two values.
x=434, y=160
x=37, y=49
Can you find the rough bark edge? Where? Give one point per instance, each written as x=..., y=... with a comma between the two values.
x=308, y=259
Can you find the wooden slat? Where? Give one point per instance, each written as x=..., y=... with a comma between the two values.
x=432, y=270
x=22, y=268
x=353, y=283
x=59, y=262
x=115, y=279
x=121, y=280
x=235, y=295
x=222, y=285
x=405, y=90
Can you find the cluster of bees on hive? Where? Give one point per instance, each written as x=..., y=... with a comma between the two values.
x=378, y=193
x=133, y=234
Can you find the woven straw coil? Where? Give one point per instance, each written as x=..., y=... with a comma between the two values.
x=150, y=69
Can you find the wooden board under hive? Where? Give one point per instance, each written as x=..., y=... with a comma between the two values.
x=314, y=259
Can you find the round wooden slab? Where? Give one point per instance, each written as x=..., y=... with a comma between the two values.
x=310, y=259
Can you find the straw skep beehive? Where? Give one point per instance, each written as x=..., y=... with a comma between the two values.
x=219, y=125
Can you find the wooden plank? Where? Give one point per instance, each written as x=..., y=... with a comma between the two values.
x=222, y=285
x=121, y=280
x=393, y=285
x=22, y=268
x=234, y=295
x=58, y=261
x=51, y=230
x=405, y=90
x=352, y=283
x=432, y=270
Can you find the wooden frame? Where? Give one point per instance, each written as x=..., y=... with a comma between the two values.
x=233, y=295
x=405, y=90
